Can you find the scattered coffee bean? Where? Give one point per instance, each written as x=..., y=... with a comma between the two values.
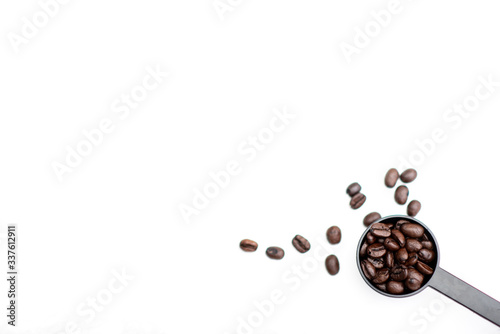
x=413, y=208
x=248, y=245
x=380, y=230
x=275, y=253
x=301, y=244
x=395, y=288
x=371, y=218
x=357, y=201
x=412, y=230
x=408, y=175
x=391, y=177
x=413, y=245
x=401, y=195
x=334, y=235
x=353, y=189
x=332, y=265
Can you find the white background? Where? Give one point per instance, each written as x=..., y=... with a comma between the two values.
x=120, y=207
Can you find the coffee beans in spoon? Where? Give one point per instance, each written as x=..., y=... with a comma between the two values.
x=401, y=260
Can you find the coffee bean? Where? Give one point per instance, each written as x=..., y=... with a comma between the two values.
x=248, y=245
x=380, y=230
x=415, y=274
x=368, y=269
x=301, y=244
x=413, y=284
x=424, y=268
x=400, y=223
x=426, y=255
x=427, y=244
x=391, y=245
x=362, y=250
x=399, y=273
x=412, y=259
x=381, y=276
x=401, y=255
x=399, y=237
x=391, y=177
x=413, y=208
x=357, y=201
x=370, y=238
x=376, y=250
x=275, y=253
x=332, y=265
x=401, y=195
x=353, y=189
x=408, y=175
x=395, y=288
x=382, y=286
x=389, y=259
x=377, y=262
x=412, y=230
x=334, y=235
x=371, y=218
x=413, y=245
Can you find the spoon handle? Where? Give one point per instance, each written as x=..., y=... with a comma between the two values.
x=466, y=294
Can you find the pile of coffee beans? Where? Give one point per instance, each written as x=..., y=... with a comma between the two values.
x=302, y=245
x=397, y=257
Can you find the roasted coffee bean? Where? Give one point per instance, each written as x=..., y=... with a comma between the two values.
x=412, y=259
x=413, y=284
x=389, y=259
x=391, y=177
x=275, y=253
x=401, y=255
x=426, y=255
x=413, y=208
x=399, y=273
x=362, y=250
x=353, y=189
x=371, y=218
x=377, y=262
x=413, y=245
x=399, y=237
x=382, y=286
x=357, y=201
x=380, y=230
x=415, y=274
x=332, y=264
x=370, y=238
x=427, y=244
x=376, y=250
x=248, y=245
x=334, y=235
x=408, y=175
x=381, y=276
x=368, y=269
x=391, y=245
x=401, y=195
x=412, y=230
x=423, y=268
x=395, y=288
x=301, y=244
x=400, y=223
